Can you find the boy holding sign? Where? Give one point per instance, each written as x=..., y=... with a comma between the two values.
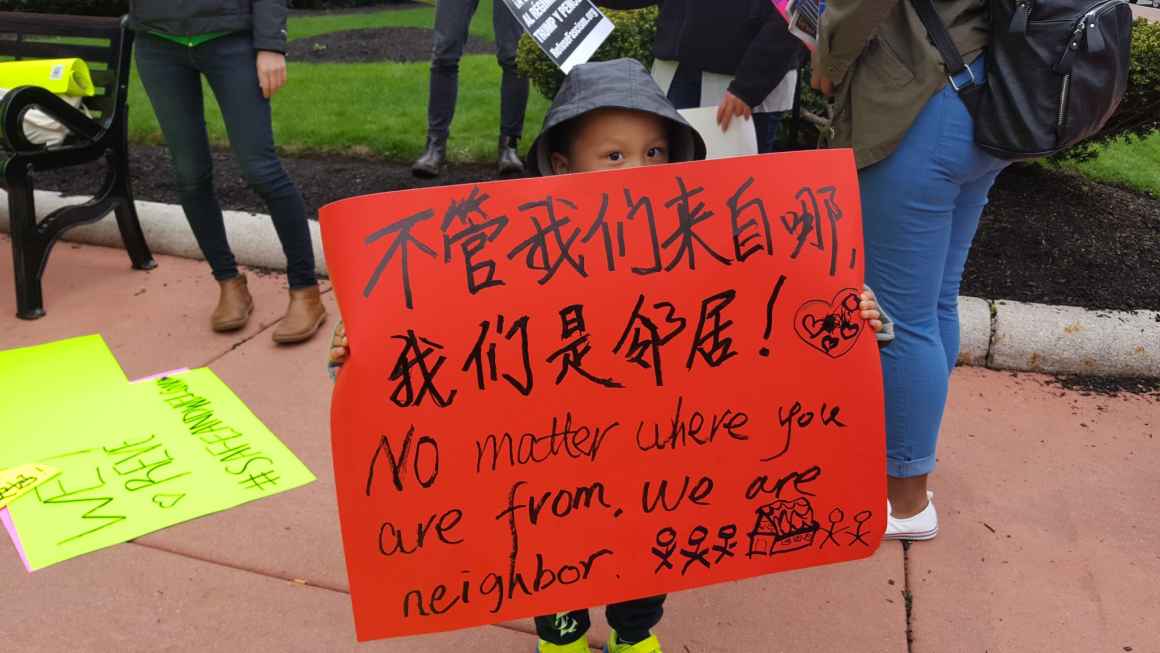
x=609, y=116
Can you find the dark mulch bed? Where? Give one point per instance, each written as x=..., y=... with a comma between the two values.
x=322, y=180
x=1109, y=386
x=1048, y=236
x=373, y=44
x=1057, y=238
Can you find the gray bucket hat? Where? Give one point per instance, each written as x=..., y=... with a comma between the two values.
x=621, y=83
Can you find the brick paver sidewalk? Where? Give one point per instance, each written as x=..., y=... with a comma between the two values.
x=1050, y=539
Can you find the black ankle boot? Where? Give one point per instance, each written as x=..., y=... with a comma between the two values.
x=509, y=156
x=432, y=162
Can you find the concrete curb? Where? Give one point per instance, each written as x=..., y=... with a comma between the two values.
x=1001, y=335
x=1042, y=338
x=251, y=235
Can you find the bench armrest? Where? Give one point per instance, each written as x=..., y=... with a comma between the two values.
x=22, y=98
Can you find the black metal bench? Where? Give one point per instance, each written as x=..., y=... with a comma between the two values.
x=106, y=45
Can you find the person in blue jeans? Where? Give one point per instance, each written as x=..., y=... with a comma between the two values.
x=924, y=184
x=237, y=46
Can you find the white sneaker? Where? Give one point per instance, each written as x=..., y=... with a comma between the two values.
x=923, y=526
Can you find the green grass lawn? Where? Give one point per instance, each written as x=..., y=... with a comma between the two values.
x=377, y=109
x=380, y=109
x=1136, y=165
x=304, y=27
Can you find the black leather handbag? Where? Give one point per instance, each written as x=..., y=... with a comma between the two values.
x=1056, y=72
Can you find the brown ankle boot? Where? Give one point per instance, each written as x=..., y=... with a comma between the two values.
x=303, y=318
x=234, y=305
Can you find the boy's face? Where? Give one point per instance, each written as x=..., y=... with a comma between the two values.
x=614, y=139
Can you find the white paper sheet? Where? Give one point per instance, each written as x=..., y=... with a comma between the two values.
x=740, y=140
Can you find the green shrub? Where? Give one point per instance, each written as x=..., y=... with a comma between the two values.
x=633, y=38
x=75, y=7
x=1139, y=113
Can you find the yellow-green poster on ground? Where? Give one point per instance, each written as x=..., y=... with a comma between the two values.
x=136, y=458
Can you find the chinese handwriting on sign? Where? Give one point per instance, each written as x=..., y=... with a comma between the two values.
x=552, y=246
x=552, y=243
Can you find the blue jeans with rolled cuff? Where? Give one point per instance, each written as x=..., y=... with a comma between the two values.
x=172, y=75
x=921, y=207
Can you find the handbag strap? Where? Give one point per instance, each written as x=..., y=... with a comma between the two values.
x=940, y=36
x=949, y=52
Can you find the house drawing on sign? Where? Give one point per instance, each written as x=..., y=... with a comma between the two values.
x=781, y=527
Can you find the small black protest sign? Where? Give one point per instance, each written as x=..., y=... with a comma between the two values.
x=568, y=31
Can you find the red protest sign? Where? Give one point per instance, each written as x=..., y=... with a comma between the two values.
x=575, y=390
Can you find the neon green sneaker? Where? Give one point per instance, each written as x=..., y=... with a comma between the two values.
x=650, y=645
x=578, y=646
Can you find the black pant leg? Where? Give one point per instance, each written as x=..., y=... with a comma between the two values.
x=634, y=620
x=563, y=627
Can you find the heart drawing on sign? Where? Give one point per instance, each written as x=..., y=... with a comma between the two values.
x=167, y=500
x=831, y=327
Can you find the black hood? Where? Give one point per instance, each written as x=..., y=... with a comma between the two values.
x=622, y=84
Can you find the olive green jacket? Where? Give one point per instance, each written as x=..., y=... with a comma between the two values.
x=885, y=68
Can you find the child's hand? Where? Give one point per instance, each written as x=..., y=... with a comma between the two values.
x=869, y=308
x=339, y=348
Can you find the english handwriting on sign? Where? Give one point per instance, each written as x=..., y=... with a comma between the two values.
x=232, y=448
x=392, y=539
x=90, y=493
x=691, y=430
x=698, y=494
x=410, y=453
x=565, y=390
x=574, y=442
x=560, y=502
x=798, y=417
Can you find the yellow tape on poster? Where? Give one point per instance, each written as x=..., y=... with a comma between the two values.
x=18, y=481
x=60, y=76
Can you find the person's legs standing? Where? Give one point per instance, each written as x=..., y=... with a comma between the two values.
x=685, y=89
x=767, y=126
x=452, y=19
x=513, y=101
x=172, y=80
x=562, y=628
x=921, y=208
x=229, y=63
x=968, y=209
x=173, y=85
x=633, y=621
x=907, y=204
